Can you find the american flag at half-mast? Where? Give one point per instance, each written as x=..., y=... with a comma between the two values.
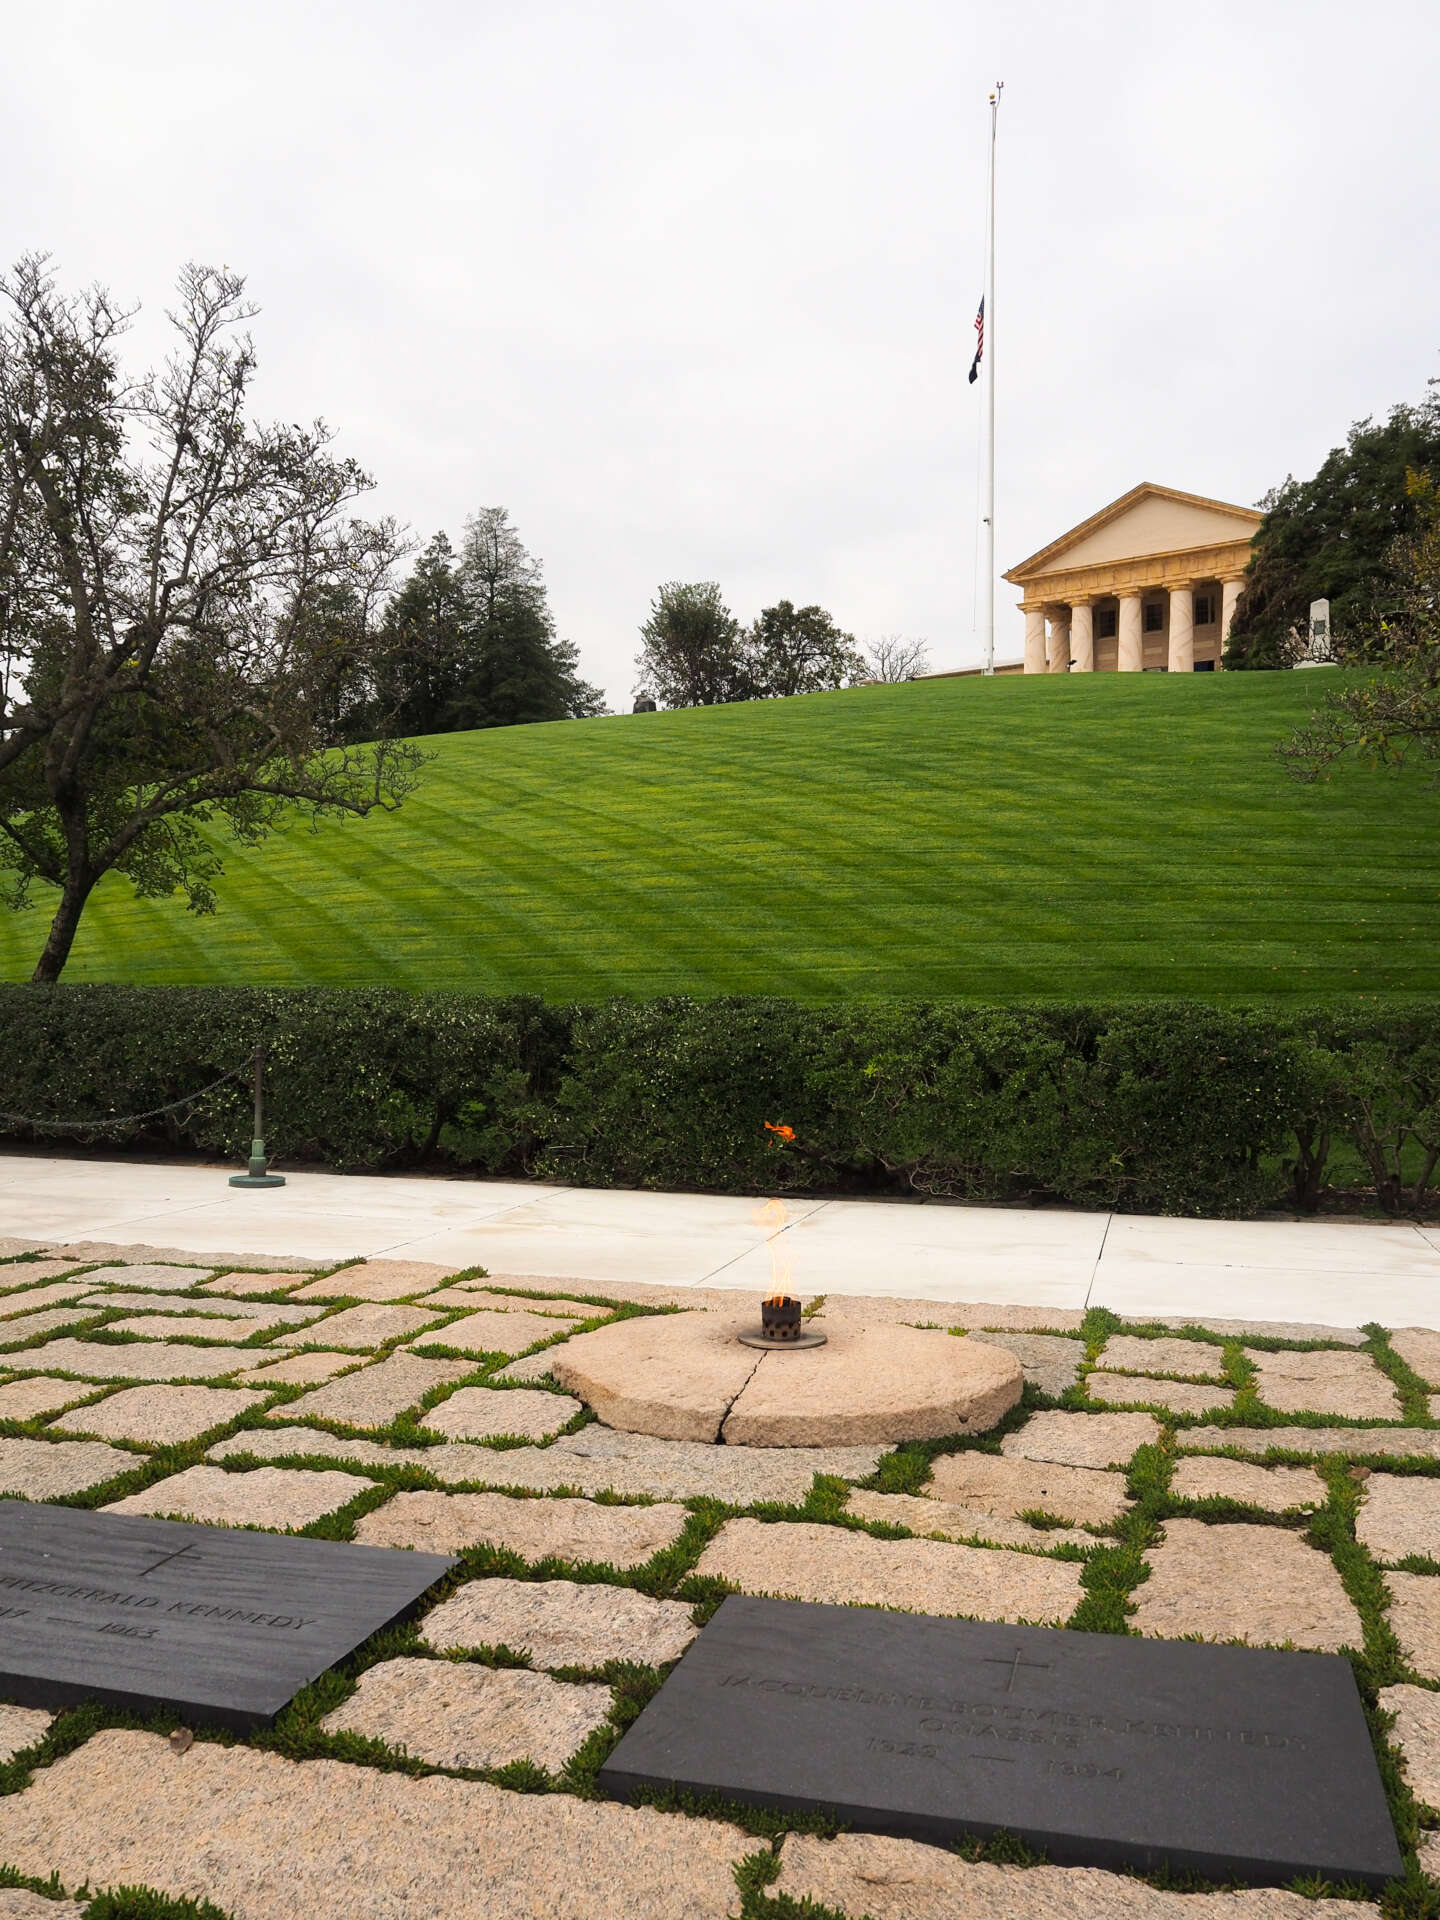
x=979, y=342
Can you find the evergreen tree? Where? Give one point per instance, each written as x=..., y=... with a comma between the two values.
x=424, y=645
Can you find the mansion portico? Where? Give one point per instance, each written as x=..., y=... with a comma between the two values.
x=1147, y=584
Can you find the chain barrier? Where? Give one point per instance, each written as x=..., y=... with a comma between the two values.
x=124, y=1119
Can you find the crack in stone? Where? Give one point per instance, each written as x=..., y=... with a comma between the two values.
x=760, y=1359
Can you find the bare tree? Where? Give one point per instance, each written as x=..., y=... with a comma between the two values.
x=186, y=604
x=893, y=658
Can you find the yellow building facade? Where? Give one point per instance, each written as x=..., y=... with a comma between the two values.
x=1147, y=584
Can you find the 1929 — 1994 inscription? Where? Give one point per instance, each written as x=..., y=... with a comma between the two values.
x=1098, y=1749
x=220, y=1624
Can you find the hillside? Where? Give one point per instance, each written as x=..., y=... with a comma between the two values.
x=1103, y=835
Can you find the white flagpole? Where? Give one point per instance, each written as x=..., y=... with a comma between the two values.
x=987, y=371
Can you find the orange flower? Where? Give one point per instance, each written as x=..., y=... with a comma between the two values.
x=782, y=1133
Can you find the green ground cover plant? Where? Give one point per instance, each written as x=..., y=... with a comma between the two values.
x=1091, y=836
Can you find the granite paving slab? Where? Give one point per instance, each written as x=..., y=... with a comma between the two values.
x=881, y=1878
x=1276, y=1489
x=364, y=1327
x=175, y=1326
x=375, y=1395
x=457, y=1714
x=1188, y=1359
x=11, y=1248
x=1415, y=1616
x=377, y=1280
x=559, y=1623
x=16, y=1903
x=1268, y=1329
x=970, y=1314
x=1175, y=1396
x=1348, y=1384
x=28, y=1398
x=674, y=1377
x=21, y=1727
x=159, y=1416
x=483, y=1413
x=294, y=1443
x=1428, y=1850
x=476, y=1294
x=1417, y=1734
x=799, y=1560
x=309, y=1369
x=1404, y=1443
x=997, y=1485
x=490, y=1332
x=1399, y=1516
x=925, y=1516
x=151, y=1275
x=242, y=1285
x=134, y=1360
x=27, y=1326
x=1082, y=1439
x=250, y=1314
x=28, y=1273
x=1233, y=1581
x=50, y=1469
x=539, y=1529
x=1419, y=1348
x=31, y=1299
x=268, y=1497
x=1051, y=1361
x=113, y=1253
x=323, y=1837
x=529, y=1368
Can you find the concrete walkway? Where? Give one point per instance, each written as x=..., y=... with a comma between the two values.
x=1342, y=1275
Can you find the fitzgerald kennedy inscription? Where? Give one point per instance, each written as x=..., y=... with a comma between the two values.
x=1099, y=1749
x=218, y=1623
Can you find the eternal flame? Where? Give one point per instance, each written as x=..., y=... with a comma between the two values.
x=1148, y=584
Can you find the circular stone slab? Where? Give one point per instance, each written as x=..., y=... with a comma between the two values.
x=687, y=1377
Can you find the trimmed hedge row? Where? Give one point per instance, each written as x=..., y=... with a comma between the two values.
x=1172, y=1107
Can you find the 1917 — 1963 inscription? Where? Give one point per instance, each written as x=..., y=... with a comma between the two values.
x=219, y=1624
x=1099, y=1749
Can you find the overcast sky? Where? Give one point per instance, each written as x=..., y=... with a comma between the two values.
x=689, y=285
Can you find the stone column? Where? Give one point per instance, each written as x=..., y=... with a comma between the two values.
x=1059, y=655
x=1182, y=629
x=1131, y=657
x=1034, y=639
x=1229, y=596
x=1082, y=635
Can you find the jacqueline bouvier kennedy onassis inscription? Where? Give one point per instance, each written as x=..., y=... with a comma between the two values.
x=220, y=1624
x=1098, y=1749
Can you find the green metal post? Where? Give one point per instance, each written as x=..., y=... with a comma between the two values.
x=257, y=1174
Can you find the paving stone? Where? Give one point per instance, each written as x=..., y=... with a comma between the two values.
x=18, y=1904
x=864, y=1310
x=29, y=1398
x=1276, y=1489
x=1417, y=1734
x=1263, y=1585
x=30, y=1299
x=1268, y=1329
x=880, y=1878
x=482, y=1413
x=1190, y=1359
x=267, y=1497
x=248, y=1315
x=27, y=1325
x=530, y=1367
x=160, y=1416
x=799, y=1560
x=297, y=1369
x=135, y=1360
x=365, y=1328
x=1349, y=1384
x=994, y=1484
x=20, y=1727
x=113, y=1253
x=375, y=1395
x=31, y=1272
x=1051, y=1362
x=313, y=1443
x=153, y=1276
x=1082, y=1439
x=565, y=1529
x=558, y=1623
x=1415, y=1616
x=10, y=1249
x=377, y=1280
x=1428, y=1849
x=1434, y=1406
x=269, y=1839
x=1419, y=1348
x=925, y=1517
x=49, y=1469
x=674, y=1376
x=461, y=1715
x=175, y=1326
x=1175, y=1396
x=485, y=1332
x=472, y=1293
x=1399, y=1516
x=244, y=1284
x=1405, y=1443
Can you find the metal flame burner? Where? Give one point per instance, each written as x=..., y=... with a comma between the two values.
x=782, y=1327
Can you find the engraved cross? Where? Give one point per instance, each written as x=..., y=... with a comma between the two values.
x=1015, y=1664
x=166, y=1558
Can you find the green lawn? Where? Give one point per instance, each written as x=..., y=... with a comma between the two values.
x=1097, y=836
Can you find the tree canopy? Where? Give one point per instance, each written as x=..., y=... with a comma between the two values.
x=188, y=608
x=1332, y=537
x=695, y=653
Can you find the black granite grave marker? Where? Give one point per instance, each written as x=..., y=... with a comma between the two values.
x=1099, y=1749
x=221, y=1624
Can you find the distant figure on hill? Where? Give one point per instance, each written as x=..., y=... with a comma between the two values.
x=644, y=705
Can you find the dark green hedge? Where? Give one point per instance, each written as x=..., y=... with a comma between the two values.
x=1174, y=1107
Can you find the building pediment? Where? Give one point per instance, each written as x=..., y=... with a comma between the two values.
x=1145, y=524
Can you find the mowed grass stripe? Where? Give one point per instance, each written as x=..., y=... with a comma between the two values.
x=1086, y=836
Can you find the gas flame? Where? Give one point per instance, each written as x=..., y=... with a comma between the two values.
x=774, y=1216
